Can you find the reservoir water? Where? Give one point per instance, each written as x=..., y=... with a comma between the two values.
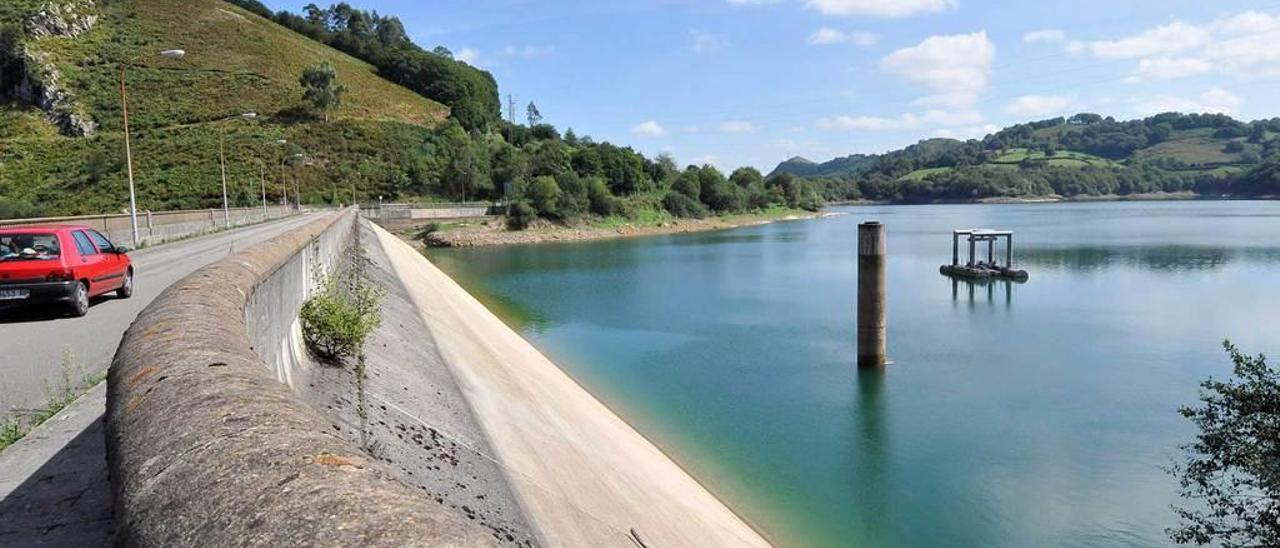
x=1041, y=414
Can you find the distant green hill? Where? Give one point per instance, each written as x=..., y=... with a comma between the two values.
x=803, y=167
x=1086, y=154
x=66, y=155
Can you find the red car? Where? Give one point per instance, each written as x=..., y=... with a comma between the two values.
x=62, y=265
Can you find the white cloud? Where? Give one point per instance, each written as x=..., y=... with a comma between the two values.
x=879, y=8
x=1076, y=47
x=827, y=36
x=649, y=128
x=952, y=117
x=468, y=56
x=1044, y=35
x=737, y=127
x=706, y=42
x=955, y=68
x=869, y=123
x=526, y=51
x=1214, y=101
x=1241, y=44
x=1038, y=105
x=1174, y=37
x=1168, y=68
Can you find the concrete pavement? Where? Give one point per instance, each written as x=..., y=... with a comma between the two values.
x=54, y=489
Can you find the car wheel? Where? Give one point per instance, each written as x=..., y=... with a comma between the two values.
x=126, y=290
x=80, y=300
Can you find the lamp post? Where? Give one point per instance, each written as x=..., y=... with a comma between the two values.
x=285, y=185
x=222, y=163
x=128, y=150
x=297, y=192
x=262, y=179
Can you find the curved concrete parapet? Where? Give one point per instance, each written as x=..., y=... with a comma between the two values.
x=207, y=448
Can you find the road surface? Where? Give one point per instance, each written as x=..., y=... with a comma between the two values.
x=32, y=342
x=54, y=489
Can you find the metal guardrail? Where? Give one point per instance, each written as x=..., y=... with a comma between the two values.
x=160, y=226
x=442, y=210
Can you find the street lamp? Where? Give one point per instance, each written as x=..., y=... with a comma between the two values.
x=297, y=190
x=128, y=151
x=281, y=143
x=222, y=163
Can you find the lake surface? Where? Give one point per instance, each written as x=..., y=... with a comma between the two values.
x=1040, y=414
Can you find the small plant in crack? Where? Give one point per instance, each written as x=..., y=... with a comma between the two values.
x=338, y=319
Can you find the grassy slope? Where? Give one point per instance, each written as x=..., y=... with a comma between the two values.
x=236, y=62
x=1197, y=147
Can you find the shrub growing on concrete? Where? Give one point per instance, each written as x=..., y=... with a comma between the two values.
x=336, y=321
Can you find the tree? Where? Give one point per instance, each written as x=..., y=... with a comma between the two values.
x=320, y=88
x=1232, y=470
x=443, y=52
x=535, y=117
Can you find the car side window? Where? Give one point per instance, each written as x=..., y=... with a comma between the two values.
x=103, y=244
x=83, y=245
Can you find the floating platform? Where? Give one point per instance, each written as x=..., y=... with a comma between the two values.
x=983, y=270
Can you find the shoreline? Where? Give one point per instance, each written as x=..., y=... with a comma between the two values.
x=1059, y=199
x=585, y=476
x=488, y=233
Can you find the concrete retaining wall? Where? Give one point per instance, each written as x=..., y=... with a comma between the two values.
x=272, y=311
x=207, y=448
x=159, y=227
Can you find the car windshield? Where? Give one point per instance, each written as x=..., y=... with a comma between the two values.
x=36, y=246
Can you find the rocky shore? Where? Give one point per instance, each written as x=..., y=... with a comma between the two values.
x=491, y=232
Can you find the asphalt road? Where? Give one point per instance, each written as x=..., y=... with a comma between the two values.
x=33, y=341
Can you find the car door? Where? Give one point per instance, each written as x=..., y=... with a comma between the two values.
x=113, y=264
x=91, y=265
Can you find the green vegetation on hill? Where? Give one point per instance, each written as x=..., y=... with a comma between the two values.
x=471, y=93
x=235, y=62
x=1209, y=154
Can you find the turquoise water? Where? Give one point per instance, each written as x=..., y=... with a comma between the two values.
x=1040, y=414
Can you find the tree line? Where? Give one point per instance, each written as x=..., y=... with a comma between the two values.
x=543, y=174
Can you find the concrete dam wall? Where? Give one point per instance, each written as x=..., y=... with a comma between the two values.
x=207, y=448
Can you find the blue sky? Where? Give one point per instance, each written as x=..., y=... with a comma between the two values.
x=753, y=82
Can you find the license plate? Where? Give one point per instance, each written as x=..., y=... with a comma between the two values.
x=14, y=294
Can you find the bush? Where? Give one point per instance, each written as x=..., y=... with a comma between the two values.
x=601, y=201
x=427, y=230
x=336, y=321
x=681, y=205
x=543, y=194
x=12, y=208
x=519, y=215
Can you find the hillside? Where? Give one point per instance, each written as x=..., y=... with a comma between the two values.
x=68, y=158
x=1083, y=155
x=803, y=167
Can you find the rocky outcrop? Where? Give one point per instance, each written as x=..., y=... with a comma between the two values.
x=43, y=88
x=69, y=18
x=41, y=84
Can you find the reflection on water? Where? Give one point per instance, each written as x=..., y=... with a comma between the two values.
x=1160, y=258
x=872, y=439
x=1042, y=423
x=982, y=290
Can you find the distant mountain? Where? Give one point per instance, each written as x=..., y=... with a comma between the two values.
x=803, y=167
x=1086, y=154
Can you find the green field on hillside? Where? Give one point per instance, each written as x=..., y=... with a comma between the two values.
x=235, y=62
x=1061, y=158
x=1197, y=146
